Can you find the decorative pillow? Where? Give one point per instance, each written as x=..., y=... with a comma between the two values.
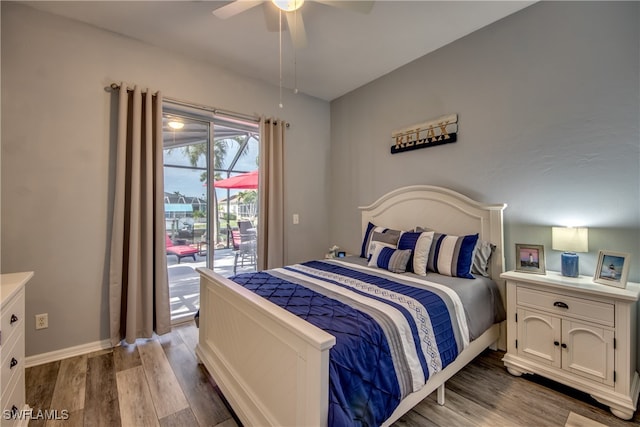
x=368, y=237
x=420, y=246
x=394, y=260
x=452, y=255
x=481, y=257
x=388, y=238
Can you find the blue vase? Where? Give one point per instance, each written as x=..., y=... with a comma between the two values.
x=570, y=264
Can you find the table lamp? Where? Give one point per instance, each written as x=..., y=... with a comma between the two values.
x=570, y=240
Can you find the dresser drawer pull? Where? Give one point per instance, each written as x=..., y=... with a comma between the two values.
x=14, y=319
x=560, y=304
x=13, y=363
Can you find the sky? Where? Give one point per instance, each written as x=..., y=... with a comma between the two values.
x=187, y=181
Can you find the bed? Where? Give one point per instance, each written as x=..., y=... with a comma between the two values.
x=274, y=368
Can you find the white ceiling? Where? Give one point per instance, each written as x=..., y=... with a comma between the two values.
x=345, y=49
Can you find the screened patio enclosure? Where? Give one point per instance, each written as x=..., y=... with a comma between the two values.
x=200, y=148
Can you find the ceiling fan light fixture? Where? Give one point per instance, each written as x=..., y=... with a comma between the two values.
x=288, y=5
x=176, y=125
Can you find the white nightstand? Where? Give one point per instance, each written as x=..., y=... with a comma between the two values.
x=575, y=332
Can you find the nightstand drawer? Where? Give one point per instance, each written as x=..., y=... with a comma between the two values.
x=579, y=308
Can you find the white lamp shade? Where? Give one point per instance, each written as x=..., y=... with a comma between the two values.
x=570, y=239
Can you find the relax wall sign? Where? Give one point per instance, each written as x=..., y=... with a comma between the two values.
x=442, y=130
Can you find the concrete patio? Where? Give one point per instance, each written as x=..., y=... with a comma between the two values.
x=184, y=281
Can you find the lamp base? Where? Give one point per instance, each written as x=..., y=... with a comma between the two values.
x=569, y=264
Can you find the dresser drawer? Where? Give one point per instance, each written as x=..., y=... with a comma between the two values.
x=12, y=363
x=13, y=403
x=12, y=317
x=580, y=308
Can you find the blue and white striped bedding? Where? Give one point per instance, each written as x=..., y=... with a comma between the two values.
x=392, y=331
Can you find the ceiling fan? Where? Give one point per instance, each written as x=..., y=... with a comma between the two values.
x=291, y=9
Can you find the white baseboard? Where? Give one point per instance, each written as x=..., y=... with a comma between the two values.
x=52, y=356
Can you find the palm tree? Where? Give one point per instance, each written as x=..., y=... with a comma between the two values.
x=220, y=150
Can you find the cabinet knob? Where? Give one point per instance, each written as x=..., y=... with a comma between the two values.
x=14, y=319
x=560, y=304
x=556, y=343
x=563, y=345
x=13, y=363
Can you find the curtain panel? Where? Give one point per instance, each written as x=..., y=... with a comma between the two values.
x=138, y=279
x=271, y=250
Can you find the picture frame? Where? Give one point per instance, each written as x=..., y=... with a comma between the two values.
x=612, y=268
x=530, y=258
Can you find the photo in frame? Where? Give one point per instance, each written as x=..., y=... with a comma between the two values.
x=612, y=269
x=530, y=258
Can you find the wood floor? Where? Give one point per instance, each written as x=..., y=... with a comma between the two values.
x=158, y=382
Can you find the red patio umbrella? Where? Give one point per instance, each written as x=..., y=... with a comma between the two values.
x=244, y=181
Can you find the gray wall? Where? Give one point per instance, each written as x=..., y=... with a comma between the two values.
x=58, y=154
x=548, y=107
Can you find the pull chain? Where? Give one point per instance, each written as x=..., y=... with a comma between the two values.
x=295, y=60
x=280, y=42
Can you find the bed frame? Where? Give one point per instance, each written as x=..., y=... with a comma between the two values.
x=273, y=367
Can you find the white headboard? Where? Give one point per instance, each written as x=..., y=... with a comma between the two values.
x=442, y=210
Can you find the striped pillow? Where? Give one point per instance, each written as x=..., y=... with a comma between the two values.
x=452, y=255
x=420, y=246
x=390, y=259
x=365, y=251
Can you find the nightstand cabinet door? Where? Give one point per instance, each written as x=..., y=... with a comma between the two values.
x=588, y=351
x=539, y=336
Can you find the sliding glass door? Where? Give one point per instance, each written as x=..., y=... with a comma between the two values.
x=211, y=199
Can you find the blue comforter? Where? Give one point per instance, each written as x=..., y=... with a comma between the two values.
x=390, y=335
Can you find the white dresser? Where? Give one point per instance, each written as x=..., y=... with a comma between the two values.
x=12, y=311
x=575, y=332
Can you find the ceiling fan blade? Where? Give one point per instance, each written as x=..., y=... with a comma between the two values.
x=361, y=6
x=296, y=29
x=234, y=8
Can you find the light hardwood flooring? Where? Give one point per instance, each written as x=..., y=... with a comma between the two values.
x=158, y=382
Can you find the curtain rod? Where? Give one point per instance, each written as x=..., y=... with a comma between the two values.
x=232, y=114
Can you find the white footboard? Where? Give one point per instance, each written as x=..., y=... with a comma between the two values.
x=271, y=366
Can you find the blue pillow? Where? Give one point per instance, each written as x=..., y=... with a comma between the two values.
x=452, y=255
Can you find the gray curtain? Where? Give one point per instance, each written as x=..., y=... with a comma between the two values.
x=138, y=282
x=271, y=250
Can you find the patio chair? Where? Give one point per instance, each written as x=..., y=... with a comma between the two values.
x=244, y=249
x=246, y=227
x=180, y=251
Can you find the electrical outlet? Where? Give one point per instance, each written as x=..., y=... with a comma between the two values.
x=42, y=321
